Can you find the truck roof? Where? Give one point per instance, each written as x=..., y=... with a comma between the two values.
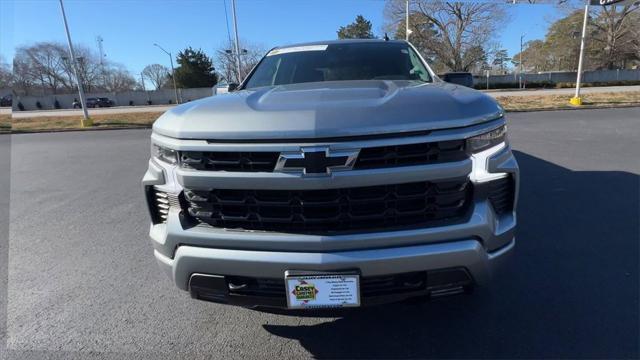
x=343, y=41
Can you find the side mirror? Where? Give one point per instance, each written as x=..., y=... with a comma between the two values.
x=232, y=87
x=459, y=78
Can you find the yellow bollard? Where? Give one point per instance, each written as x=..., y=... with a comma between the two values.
x=575, y=101
x=86, y=123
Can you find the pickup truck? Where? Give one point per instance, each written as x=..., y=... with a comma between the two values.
x=337, y=174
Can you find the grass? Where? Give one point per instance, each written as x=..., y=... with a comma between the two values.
x=510, y=103
x=5, y=123
x=45, y=123
x=546, y=102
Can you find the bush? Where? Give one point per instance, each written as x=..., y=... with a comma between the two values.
x=550, y=85
x=130, y=102
x=149, y=102
x=38, y=105
x=515, y=85
x=20, y=106
x=56, y=104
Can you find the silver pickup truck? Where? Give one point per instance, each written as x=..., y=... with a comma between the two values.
x=338, y=174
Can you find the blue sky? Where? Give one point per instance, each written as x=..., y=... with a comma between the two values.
x=130, y=27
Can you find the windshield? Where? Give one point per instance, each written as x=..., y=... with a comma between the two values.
x=336, y=62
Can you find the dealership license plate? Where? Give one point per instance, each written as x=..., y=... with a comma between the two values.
x=305, y=291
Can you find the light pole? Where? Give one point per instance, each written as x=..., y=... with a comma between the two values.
x=235, y=29
x=406, y=21
x=173, y=71
x=577, y=100
x=85, y=121
x=142, y=82
x=520, y=61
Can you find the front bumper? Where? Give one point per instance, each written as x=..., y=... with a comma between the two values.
x=190, y=261
x=479, y=245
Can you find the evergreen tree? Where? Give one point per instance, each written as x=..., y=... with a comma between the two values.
x=359, y=29
x=195, y=69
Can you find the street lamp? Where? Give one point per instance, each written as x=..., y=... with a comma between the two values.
x=577, y=100
x=520, y=77
x=237, y=42
x=85, y=121
x=173, y=72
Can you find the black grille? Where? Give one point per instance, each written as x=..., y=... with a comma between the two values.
x=332, y=210
x=369, y=158
x=229, y=161
x=411, y=154
x=501, y=195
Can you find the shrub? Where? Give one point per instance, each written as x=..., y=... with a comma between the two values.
x=38, y=105
x=56, y=104
x=130, y=102
x=20, y=106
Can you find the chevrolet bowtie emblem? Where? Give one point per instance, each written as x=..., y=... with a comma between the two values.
x=316, y=160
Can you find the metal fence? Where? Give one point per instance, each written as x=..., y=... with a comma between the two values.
x=553, y=78
x=127, y=98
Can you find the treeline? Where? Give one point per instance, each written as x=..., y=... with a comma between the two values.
x=462, y=36
x=45, y=68
x=613, y=42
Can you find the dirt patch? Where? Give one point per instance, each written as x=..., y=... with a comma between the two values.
x=44, y=123
x=5, y=123
x=548, y=102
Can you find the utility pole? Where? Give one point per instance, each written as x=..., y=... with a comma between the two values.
x=407, y=32
x=173, y=71
x=142, y=82
x=577, y=100
x=86, y=121
x=99, y=40
x=520, y=61
x=237, y=45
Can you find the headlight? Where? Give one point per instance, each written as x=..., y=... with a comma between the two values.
x=164, y=154
x=487, y=140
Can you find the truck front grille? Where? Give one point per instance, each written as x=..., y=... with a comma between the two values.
x=229, y=161
x=333, y=210
x=369, y=157
x=411, y=154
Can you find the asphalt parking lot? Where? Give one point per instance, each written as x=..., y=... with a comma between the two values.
x=83, y=282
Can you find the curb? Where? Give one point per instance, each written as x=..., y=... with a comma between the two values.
x=79, y=130
x=582, y=107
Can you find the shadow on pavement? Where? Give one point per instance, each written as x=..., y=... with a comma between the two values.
x=571, y=290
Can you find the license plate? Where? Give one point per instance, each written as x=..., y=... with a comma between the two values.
x=322, y=290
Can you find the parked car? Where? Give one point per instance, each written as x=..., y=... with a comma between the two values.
x=94, y=102
x=338, y=174
x=6, y=100
x=460, y=78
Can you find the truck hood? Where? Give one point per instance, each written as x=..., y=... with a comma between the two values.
x=328, y=109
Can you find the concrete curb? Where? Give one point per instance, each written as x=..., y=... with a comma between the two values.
x=582, y=107
x=80, y=130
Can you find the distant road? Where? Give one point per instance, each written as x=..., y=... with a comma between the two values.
x=162, y=108
x=587, y=90
x=97, y=111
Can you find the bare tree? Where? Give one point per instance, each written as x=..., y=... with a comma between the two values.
x=616, y=31
x=6, y=76
x=226, y=60
x=117, y=78
x=46, y=68
x=157, y=74
x=455, y=34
